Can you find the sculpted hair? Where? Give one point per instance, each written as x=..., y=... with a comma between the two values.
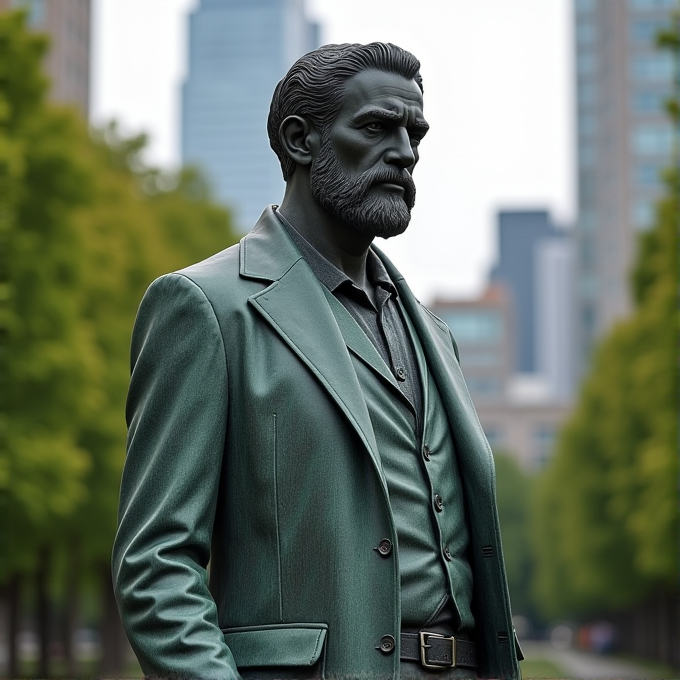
x=313, y=87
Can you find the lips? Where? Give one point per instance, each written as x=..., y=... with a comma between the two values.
x=391, y=186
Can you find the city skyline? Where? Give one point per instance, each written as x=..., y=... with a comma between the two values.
x=500, y=115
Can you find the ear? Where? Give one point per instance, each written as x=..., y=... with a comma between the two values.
x=299, y=139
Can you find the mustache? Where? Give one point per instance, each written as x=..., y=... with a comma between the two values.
x=389, y=175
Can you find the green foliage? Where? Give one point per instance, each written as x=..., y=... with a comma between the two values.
x=49, y=358
x=513, y=491
x=84, y=228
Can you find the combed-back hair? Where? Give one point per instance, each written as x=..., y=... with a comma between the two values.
x=313, y=87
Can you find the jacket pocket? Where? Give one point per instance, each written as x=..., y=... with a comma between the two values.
x=279, y=645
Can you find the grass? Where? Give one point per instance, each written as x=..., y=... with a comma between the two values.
x=540, y=668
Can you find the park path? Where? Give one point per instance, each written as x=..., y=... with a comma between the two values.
x=577, y=664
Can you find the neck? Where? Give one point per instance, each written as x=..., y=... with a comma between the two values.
x=340, y=243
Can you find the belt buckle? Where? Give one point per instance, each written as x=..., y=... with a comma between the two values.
x=424, y=637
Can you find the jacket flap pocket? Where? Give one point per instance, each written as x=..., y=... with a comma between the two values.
x=298, y=644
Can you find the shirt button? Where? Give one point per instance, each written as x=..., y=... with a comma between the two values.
x=401, y=374
x=426, y=452
x=447, y=554
x=438, y=503
x=387, y=644
x=384, y=547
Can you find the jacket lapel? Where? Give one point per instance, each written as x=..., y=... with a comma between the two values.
x=294, y=305
x=357, y=341
x=477, y=462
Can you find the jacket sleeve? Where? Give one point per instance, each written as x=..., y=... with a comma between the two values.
x=176, y=415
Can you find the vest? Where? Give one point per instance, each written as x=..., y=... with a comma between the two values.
x=424, y=485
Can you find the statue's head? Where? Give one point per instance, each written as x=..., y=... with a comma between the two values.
x=364, y=102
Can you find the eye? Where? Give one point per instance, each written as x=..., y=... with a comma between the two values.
x=375, y=126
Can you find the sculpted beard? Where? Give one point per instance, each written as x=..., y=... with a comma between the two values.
x=346, y=196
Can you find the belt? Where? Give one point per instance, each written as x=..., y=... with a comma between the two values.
x=434, y=650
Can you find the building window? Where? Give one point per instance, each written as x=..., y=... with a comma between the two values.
x=653, y=68
x=585, y=33
x=652, y=4
x=483, y=387
x=543, y=442
x=480, y=359
x=586, y=63
x=474, y=326
x=587, y=93
x=493, y=436
x=583, y=6
x=647, y=175
x=645, y=30
x=653, y=141
x=587, y=124
x=586, y=155
x=643, y=214
x=649, y=101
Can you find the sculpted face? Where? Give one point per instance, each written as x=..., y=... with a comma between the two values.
x=362, y=174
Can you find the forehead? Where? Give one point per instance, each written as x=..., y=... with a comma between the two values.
x=380, y=89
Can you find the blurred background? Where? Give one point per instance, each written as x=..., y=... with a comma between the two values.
x=133, y=142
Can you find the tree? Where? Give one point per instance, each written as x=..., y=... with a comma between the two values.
x=513, y=491
x=84, y=228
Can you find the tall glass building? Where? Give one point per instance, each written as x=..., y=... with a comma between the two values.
x=624, y=140
x=238, y=50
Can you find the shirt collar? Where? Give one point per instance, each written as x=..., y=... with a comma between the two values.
x=327, y=273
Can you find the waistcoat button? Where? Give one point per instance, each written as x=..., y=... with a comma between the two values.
x=387, y=644
x=401, y=374
x=438, y=503
x=385, y=547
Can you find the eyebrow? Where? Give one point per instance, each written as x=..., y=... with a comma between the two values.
x=386, y=114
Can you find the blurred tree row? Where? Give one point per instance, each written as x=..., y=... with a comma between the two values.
x=606, y=520
x=84, y=228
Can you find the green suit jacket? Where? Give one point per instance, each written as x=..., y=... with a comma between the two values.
x=250, y=446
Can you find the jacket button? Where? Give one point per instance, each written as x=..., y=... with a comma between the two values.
x=386, y=644
x=384, y=547
x=426, y=452
x=438, y=503
x=447, y=554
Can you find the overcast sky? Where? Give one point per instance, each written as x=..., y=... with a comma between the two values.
x=498, y=97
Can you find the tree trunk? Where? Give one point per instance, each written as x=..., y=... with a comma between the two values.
x=72, y=608
x=13, y=590
x=111, y=627
x=43, y=612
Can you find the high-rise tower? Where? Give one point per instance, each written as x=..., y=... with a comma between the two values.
x=238, y=51
x=624, y=140
x=67, y=23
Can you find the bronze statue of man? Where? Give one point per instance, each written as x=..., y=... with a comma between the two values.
x=299, y=420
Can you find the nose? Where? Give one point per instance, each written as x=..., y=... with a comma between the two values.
x=400, y=151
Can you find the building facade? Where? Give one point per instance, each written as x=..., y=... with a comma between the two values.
x=67, y=23
x=519, y=413
x=484, y=331
x=624, y=140
x=519, y=233
x=238, y=51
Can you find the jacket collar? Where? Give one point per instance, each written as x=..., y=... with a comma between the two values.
x=267, y=252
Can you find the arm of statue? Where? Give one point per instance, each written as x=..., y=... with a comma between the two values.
x=176, y=413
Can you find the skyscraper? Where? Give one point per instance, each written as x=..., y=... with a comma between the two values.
x=67, y=23
x=519, y=233
x=238, y=51
x=624, y=140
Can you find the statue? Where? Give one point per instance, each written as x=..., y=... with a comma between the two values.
x=308, y=491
